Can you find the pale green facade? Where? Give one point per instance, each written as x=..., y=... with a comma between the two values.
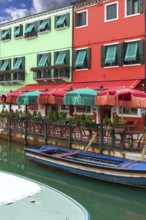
x=50, y=41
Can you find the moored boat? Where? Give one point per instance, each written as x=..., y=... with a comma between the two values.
x=98, y=166
x=22, y=198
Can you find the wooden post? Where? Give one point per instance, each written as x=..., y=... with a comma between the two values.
x=9, y=128
x=69, y=134
x=45, y=133
x=101, y=138
x=25, y=132
x=113, y=137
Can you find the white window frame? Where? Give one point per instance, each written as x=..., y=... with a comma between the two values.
x=127, y=16
x=86, y=18
x=138, y=115
x=105, y=12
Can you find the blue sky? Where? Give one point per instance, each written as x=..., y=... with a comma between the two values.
x=14, y=9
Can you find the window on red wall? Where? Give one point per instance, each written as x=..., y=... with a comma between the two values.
x=81, y=19
x=133, y=7
x=111, y=11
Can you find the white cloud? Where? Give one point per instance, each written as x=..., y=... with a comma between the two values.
x=38, y=6
x=15, y=13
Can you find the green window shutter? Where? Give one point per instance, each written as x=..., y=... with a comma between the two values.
x=88, y=58
x=17, y=64
x=29, y=28
x=74, y=57
x=111, y=54
x=76, y=19
x=43, y=60
x=103, y=53
x=17, y=31
x=80, y=58
x=140, y=6
x=141, y=51
x=4, y=34
x=68, y=19
x=131, y=51
x=120, y=54
x=60, y=58
x=61, y=21
x=43, y=25
x=5, y=65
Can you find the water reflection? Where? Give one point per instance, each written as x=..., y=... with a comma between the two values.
x=103, y=200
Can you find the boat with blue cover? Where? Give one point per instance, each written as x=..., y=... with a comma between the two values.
x=97, y=166
x=23, y=198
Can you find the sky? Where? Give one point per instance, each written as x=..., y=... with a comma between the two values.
x=14, y=9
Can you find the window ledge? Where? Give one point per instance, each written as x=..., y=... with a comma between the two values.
x=81, y=26
x=30, y=38
x=109, y=67
x=5, y=40
x=132, y=15
x=81, y=69
x=61, y=28
x=44, y=32
x=114, y=19
x=135, y=64
x=17, y=38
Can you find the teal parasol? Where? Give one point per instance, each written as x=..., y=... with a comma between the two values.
x=28, y=98
x=82, y=97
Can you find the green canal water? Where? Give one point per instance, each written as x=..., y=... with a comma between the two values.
x=104, y=201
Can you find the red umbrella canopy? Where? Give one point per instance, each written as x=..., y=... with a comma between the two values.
x=51, y=97
x=11, y=97
x=126, y=97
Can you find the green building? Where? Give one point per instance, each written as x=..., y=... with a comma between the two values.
x=36, y=49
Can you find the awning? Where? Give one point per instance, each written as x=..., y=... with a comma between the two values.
x=4, y=34
x=29, y=28
x=52, y=97
x=43, y=25
x=111, y=54
x=131, y=51
x=80, y=58
x=61, y=21
x=43, y=60
x=4, y=66
x=60, y=58
x=79, y=85
x=17, y=31
x=17, y=64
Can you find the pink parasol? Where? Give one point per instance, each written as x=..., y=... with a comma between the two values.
x=126, y=97
x=11, y=97
x=51, y=97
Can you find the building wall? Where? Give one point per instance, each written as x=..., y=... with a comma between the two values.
x=98, y=33
x=54, y=40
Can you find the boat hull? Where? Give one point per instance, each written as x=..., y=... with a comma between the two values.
x=120, y=176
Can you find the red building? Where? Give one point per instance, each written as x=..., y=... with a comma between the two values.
x=109, y=43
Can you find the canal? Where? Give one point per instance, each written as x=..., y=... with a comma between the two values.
x=104, y=201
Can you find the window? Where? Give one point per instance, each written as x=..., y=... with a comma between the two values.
x=44, y=60
x=30, y=30
x=62, y=21
x=133, y=52
x=111, y=55
x=19, y=63
x=134, y=7
x=6, y=34
x=111, y=12
x=19, y=69
x=5, y=65
x=81, y=19
x=81, y=59
x=61, y=62
x=44, y=25
x=43, y=71
x=18, y=31
x=83, y=109
x=122, y=111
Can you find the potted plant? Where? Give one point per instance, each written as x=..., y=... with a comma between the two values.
x=119, y=124
x=107, y=122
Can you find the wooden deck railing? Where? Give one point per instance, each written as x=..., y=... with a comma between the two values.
x=71, y=133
